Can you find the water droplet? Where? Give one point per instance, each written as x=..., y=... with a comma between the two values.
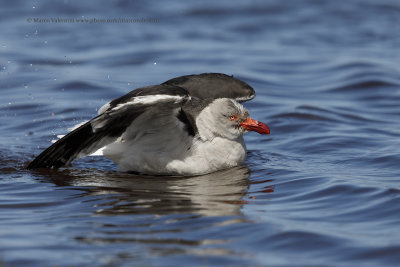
x=55, y=79
x=33, y=7
x=129, y=84
x=9, y=103
x=9, y=61
x=108, y=76
x=25, y=86
x=155, y=63
x=45, y=42
x=31, y=65
x=4, y=68
x=70, y=62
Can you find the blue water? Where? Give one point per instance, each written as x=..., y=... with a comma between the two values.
x=322, y=190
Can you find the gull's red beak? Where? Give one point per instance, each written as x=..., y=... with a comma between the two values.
x=252, y=125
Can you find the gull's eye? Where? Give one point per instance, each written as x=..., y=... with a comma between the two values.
x=233, y=117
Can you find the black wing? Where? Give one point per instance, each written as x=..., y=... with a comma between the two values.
x=214, y=85
x=110, y=124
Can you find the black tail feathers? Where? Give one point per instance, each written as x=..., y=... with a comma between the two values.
x=80, y=142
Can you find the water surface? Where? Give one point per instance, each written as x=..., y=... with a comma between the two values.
x=322, y=190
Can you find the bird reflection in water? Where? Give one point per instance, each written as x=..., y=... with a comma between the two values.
x=216, y=194
x=166, y=214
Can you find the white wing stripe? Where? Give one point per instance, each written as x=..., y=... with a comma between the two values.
x=150, y=99
x=103, y=108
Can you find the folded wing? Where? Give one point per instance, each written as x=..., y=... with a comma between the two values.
x=213, y=86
